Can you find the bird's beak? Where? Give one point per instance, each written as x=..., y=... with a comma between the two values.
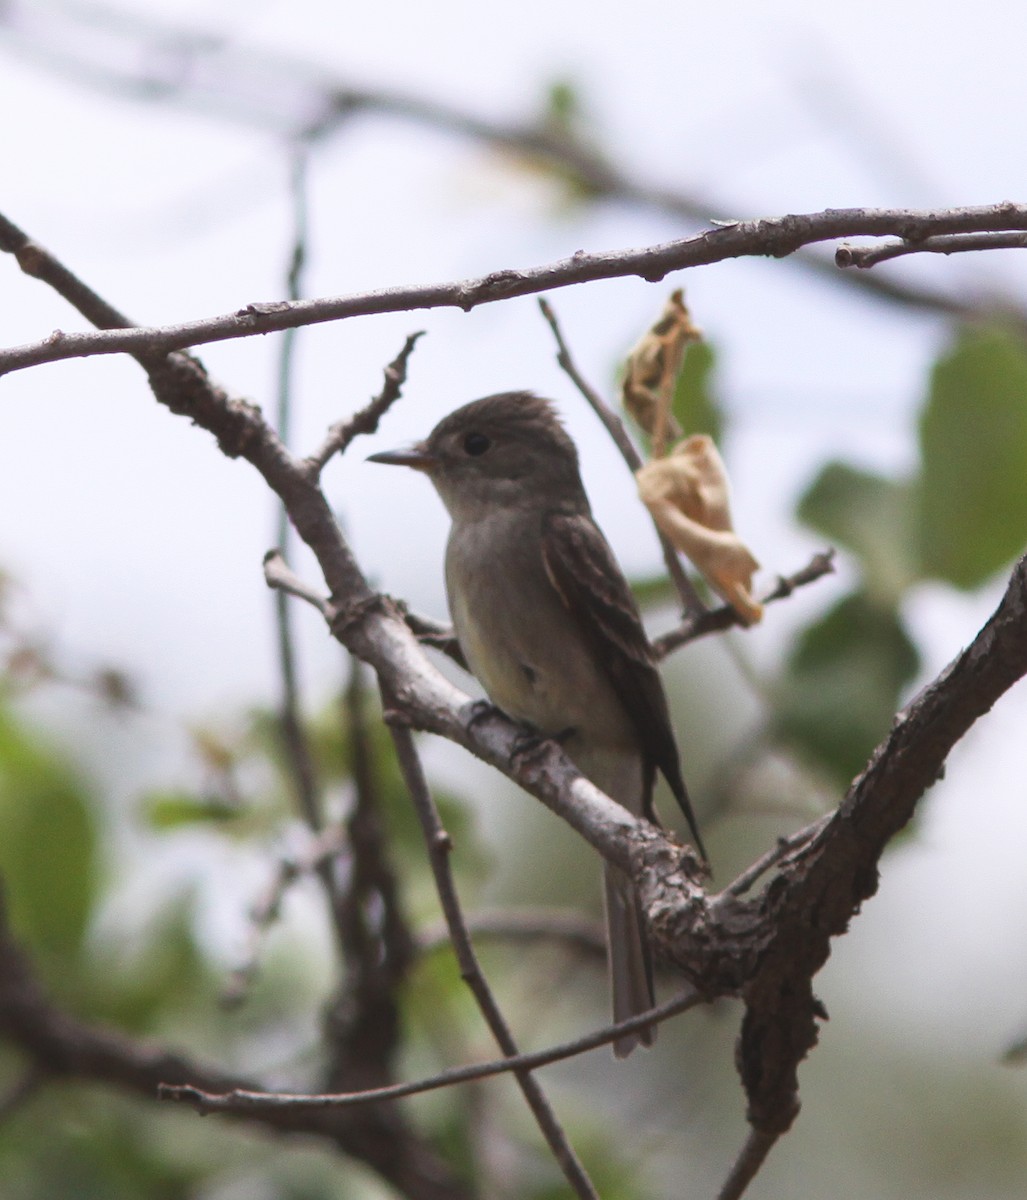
x=416, y=456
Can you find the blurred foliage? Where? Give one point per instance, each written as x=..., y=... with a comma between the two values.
x=960, y=517
x=48, y=844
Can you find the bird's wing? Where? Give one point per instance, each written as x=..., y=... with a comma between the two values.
x=582, y=568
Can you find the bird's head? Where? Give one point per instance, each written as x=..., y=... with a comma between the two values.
x=507, y=450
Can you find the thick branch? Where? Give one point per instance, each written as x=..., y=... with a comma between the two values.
x=775, y=237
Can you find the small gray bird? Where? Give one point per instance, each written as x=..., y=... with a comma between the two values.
x=547, y=623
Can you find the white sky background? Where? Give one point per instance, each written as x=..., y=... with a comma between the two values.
x=138, y=544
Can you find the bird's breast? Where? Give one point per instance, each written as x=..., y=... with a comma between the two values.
x=520, y=640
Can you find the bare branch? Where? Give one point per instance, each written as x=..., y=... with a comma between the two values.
x=716, y=620
x=775, y=237
x=757, y=1146
x=366, y=420
x=766, y=862
x=438, y=844
x=690, y=601
x=765, y=948
x=277, y=574
x=243, y=1101
x=956, y=243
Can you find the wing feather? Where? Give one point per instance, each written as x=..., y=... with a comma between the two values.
x=585, y=574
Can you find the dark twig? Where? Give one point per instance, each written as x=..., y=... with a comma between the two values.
x=364, y=1021
x=38, y=262
x=366, y=420
x=298, y=756
x=766, y=862
x=956, y=243
x=690, y=600
x=439, y=846
x=243, y=1101
x=716, y=620
x=775, y=237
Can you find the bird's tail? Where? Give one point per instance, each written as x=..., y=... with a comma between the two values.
x=631, y=971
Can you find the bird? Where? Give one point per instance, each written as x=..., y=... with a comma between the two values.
x=547, y=623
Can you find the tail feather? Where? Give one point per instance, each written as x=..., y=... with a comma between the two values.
x=630, y=961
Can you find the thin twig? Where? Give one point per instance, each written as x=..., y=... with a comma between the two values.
x=956, y=243
x=439, y=846
x=242, y=1100
x=775, y=237
x=366, y=420
x=278, y=574
x=298, y=755
x=780, y=851
x=716, y=620
x=690, y=600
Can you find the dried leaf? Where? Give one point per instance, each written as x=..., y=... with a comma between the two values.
x=652, y=371
x=687, y=494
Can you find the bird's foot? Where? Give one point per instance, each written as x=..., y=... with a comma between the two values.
x=530, y=742
x=482, y=710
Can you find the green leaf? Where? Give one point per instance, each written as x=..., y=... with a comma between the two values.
x=48, y=843
x=843, y=684
x=695, y=403
x=973, y=440
x=871, y=516
x=172, y=810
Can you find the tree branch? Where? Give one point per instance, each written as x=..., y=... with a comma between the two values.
x=716, y=620
x=775, y=237
x=439, y=845
x=241, y=1101
x=62, y=1047
x=956, y=243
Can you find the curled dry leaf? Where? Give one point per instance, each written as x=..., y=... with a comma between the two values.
x=652, y=371
x=687, y=494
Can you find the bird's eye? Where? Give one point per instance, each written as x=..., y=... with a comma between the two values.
x=476, y=443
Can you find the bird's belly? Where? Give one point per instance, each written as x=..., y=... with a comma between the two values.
x=526, y=651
